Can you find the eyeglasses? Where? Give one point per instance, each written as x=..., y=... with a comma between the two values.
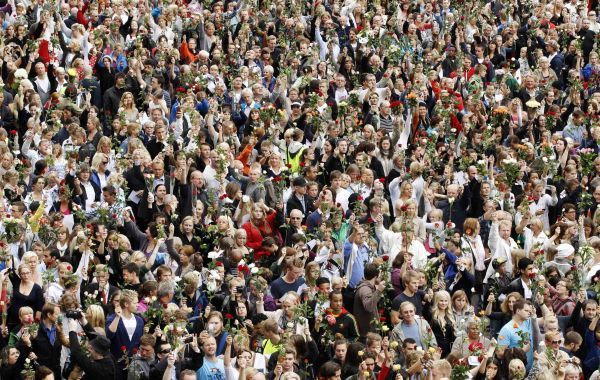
x=292, y=218
x=555, y=342
x=165, y=351
x=105, y=162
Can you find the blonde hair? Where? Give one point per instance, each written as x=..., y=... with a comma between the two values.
x=435, y=311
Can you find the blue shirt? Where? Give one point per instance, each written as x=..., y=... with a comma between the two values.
x=508, y=337
x=211, y=370
x=412, y=331
x=358, y=266
x=51, y=332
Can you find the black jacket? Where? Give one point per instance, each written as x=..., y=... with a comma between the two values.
x=101, y=369
x=295, y=203
x=47, y=354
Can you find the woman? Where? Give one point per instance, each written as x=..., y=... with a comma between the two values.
x=500, y=316
x=462, y=310
x=442, y=321
x=95, y=317
x=100, y=172
x=31, y=258
x=243, y=360
x=105, y=146
x=285, y=315
x=25, y=293
x=544, y=74
x=187, y=233
x=562, y=303
x=13, y=191
x=263, y=222
x=38, y=193
x=240, y=239
x=128, y=112
x=472, y=247
x=464, y=345
x=418, y=225
x=13, y=360
x=385, y=154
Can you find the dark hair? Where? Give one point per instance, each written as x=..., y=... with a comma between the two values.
x=329, y=369
x=520, y=305
x=42, y=372
x=132, y=268
x=371, y=271
x=408, y=341
x=524, y=263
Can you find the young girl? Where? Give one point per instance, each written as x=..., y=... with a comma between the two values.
x=434, y=229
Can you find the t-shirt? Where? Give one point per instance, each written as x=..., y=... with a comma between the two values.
x=509, y=337
x=412, y=331
x=279, y=287
x=211, y=370
x=416, y=299
x=130, y=325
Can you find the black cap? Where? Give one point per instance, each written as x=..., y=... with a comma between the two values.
x=101, y=345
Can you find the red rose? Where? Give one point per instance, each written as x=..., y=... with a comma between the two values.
x=449, y=224
x=475, y=346
x=382, y=180
x=370, y=220
x=224, y=196
x=180, y=89
x=13, y=132
x=403, y=208
x=114, y=216
x=338, y=204
x=219, y=264
x=277, y=179
x=134, y=350
x=123, y=348
x=36, y=319
x=165, y=305
x=532, y=275
x=359, y=198
x=382, y=319
x=302, y=164
x=289, y=166
x=69, y=267
x=228, y=316
x=573, y=267
x=385, y=258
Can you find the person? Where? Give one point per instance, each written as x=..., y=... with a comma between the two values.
x=368, y=294
x=47, y=344
x=414, y=327
x=519, y=332
x=213, y=367
x=99, y=364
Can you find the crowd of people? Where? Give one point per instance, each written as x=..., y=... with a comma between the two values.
x=296, y=190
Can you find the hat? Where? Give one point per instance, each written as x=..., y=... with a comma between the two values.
x=299, y=181
x=498, y=262
x=101, y=345
x=563, y=251
x=296, y=104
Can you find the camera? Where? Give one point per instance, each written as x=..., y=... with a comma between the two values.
x=239, y=289
x=74, y=314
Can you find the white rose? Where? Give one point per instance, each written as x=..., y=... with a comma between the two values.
x=254, y=270
x=544, y=159
x=290, y=325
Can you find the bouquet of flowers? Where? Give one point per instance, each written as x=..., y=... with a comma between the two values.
x=396, y=107
x=13, y=229
x=510, y=168
x=268, y=112
x=500, y=116
x=586, y=160
x=412, y=99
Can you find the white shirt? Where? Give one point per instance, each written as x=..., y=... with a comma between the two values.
x=90, y=193
x=130, y=325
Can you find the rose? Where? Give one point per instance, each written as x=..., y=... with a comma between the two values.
x=123, y=348
x=393, y=345
x=228, y=316
x=134, y=350
x=384, y=329
x=385, y=258
x=361, y=353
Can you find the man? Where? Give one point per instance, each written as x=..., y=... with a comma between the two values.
x=411, y=293
x=47, y=345
x=131, y=276
x=553, y=340
x=164, y=354
x=500, y=243
x=139, y=369
x=99, y=363
x=294, y=227
x=576, y=128
x=213, y=367
x=414, y=327
x=299, y=200
x=572, y=343
x=160, y=143
x=518, y=332
x=580, y=323
x=292, y=279
x=104, y=289
x=367, y=295
x=356, y=255
x=57, y=288
x=455, y=207
x=112, y=96
x=321, y=214
x=124, y=328
x=522, y=284
x=43, y=83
